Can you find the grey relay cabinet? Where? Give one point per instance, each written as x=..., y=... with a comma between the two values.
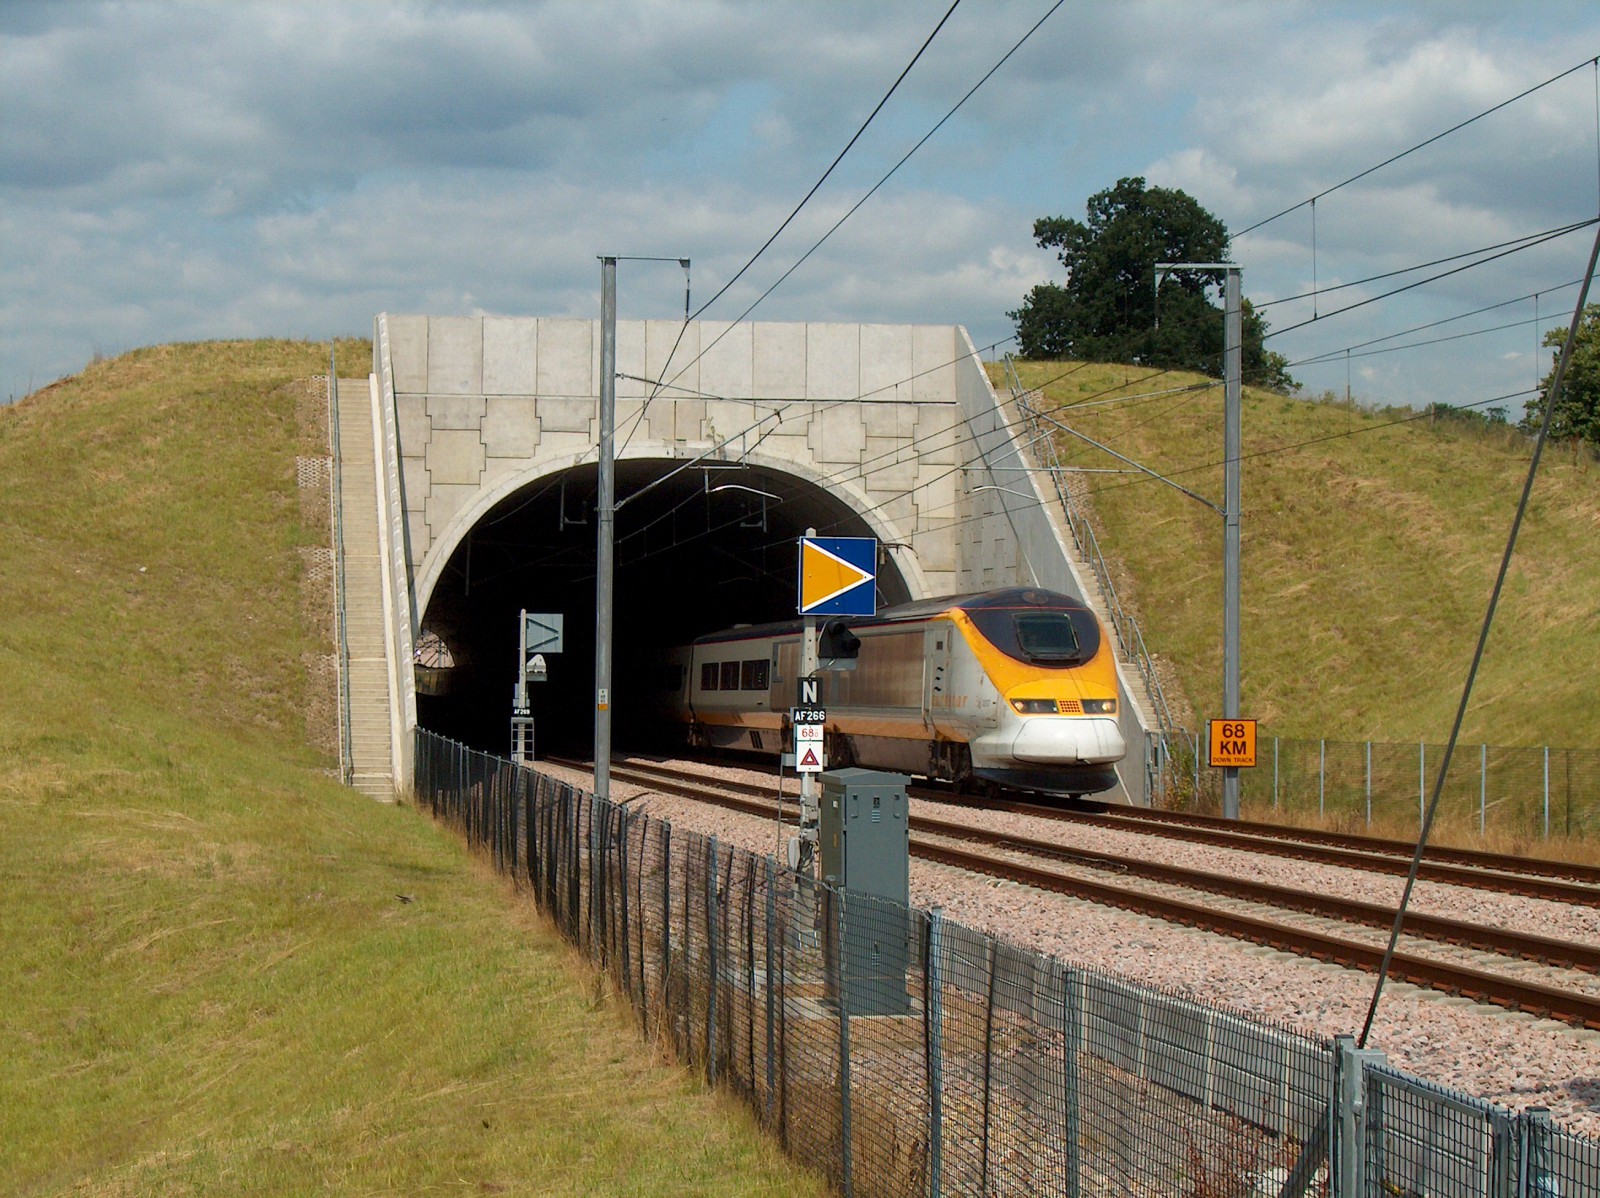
x=866, y=850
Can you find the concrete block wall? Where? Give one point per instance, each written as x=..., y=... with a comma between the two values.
x=898, y=419
x=484, y=399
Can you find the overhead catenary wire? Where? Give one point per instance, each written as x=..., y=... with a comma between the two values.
x=1533, y=239
x=879, y=184
x=1593, y=61
x=1557, y=380
x=1506, y=248
x=1530, y=238
x=1434, y=324
x=1348, y=353
x=1441, y=275
x=928, y=41
x=1273, y=451
x=776, y=233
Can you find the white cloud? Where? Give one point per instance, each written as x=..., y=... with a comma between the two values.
x=177, y=169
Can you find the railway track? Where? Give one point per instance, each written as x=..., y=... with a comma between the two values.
x=1531, y=877
x=1050, y=866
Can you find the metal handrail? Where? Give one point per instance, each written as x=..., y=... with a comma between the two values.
x=1130, y=639
x=346, y=744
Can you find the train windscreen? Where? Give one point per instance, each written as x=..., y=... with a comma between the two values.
x=1053, y=638
x=1047, y=637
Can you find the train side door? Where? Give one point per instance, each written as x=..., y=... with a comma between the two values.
x=935, y=672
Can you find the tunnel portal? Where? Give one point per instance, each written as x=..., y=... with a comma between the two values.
x=698, y=548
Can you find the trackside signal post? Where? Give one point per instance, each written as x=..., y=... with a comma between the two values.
x=838, y=577
x=538, y=633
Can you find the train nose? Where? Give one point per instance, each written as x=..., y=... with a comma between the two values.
x=1065, y=740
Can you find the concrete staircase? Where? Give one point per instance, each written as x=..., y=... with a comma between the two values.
x=370, y=738
x=1084, y=567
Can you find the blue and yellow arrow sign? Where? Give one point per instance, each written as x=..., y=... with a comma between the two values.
x=838, y=576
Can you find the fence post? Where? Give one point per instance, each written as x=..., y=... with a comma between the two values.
x=1072, y=1028
x=844, y=1042
x=933, y=1011
x=1197, y=771
x=1536, y=1180
x=628, y=915
x=1505, y=1151
x=1547, y=792
x=1322, y=778
x=771, y=914
x=666, y=929
x=713, y=960
x=992, y=952
x=1351, y=1117
x=1422, y=783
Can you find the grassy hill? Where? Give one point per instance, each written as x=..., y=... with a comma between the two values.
x=1371, y=540
x=222, y=972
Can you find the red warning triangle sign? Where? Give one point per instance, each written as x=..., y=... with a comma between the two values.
x=810, y=759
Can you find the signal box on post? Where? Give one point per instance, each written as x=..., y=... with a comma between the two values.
x=866, y=865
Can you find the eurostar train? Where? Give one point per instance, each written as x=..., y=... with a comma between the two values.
x=1014, y=688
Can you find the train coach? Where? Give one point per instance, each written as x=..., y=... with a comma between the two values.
x=1014, y=688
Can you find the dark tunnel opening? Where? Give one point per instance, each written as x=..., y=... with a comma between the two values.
x=711, y=546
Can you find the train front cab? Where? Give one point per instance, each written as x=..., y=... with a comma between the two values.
x=1053, y=679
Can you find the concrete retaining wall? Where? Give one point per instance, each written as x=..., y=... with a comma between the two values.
x=898, y=420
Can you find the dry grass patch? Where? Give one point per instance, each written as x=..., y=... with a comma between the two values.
x=1370, y=548
x=211, y=983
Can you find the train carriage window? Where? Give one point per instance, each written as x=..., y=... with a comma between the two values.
x=753, y=675
x=730, y=675
x=708, y=676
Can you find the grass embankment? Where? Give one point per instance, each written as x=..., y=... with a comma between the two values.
x=1370, y=548
x=222, y=972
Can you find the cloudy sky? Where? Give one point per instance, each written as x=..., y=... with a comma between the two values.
x=177, y=171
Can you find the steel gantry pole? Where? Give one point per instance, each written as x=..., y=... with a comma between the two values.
x=605, y=518
x=1232, y=503
x=1232, y=380
x=606, y=509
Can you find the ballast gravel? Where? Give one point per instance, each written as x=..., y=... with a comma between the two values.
x=1507, y=1057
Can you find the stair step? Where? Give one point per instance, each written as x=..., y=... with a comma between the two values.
x=367, y=666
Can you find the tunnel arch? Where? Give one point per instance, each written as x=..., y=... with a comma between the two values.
x=698, y=552
x=445, y=545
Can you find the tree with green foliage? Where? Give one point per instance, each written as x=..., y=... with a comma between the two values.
x=1577, y=411
x=1108, y=310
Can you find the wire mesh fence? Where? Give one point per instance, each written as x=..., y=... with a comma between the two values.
x=1530, y=792
x=900, y=1053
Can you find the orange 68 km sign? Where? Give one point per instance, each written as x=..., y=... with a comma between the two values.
x=1233, y=743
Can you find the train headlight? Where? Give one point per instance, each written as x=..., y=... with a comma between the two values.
x=1035, y=706
x=1099, y=707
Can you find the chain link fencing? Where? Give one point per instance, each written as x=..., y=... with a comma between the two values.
x=899, y=1053
x=1527, y=792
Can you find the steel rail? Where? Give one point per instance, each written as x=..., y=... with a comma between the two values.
x=1543, y=949
x=1527, y=946
x=1498, y=989
x=1539, y=878
x=1508, y=876
x=1549, y=1001
x=1544, y=867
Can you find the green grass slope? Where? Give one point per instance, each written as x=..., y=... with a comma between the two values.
x=1370, y=548
x=211, y=983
